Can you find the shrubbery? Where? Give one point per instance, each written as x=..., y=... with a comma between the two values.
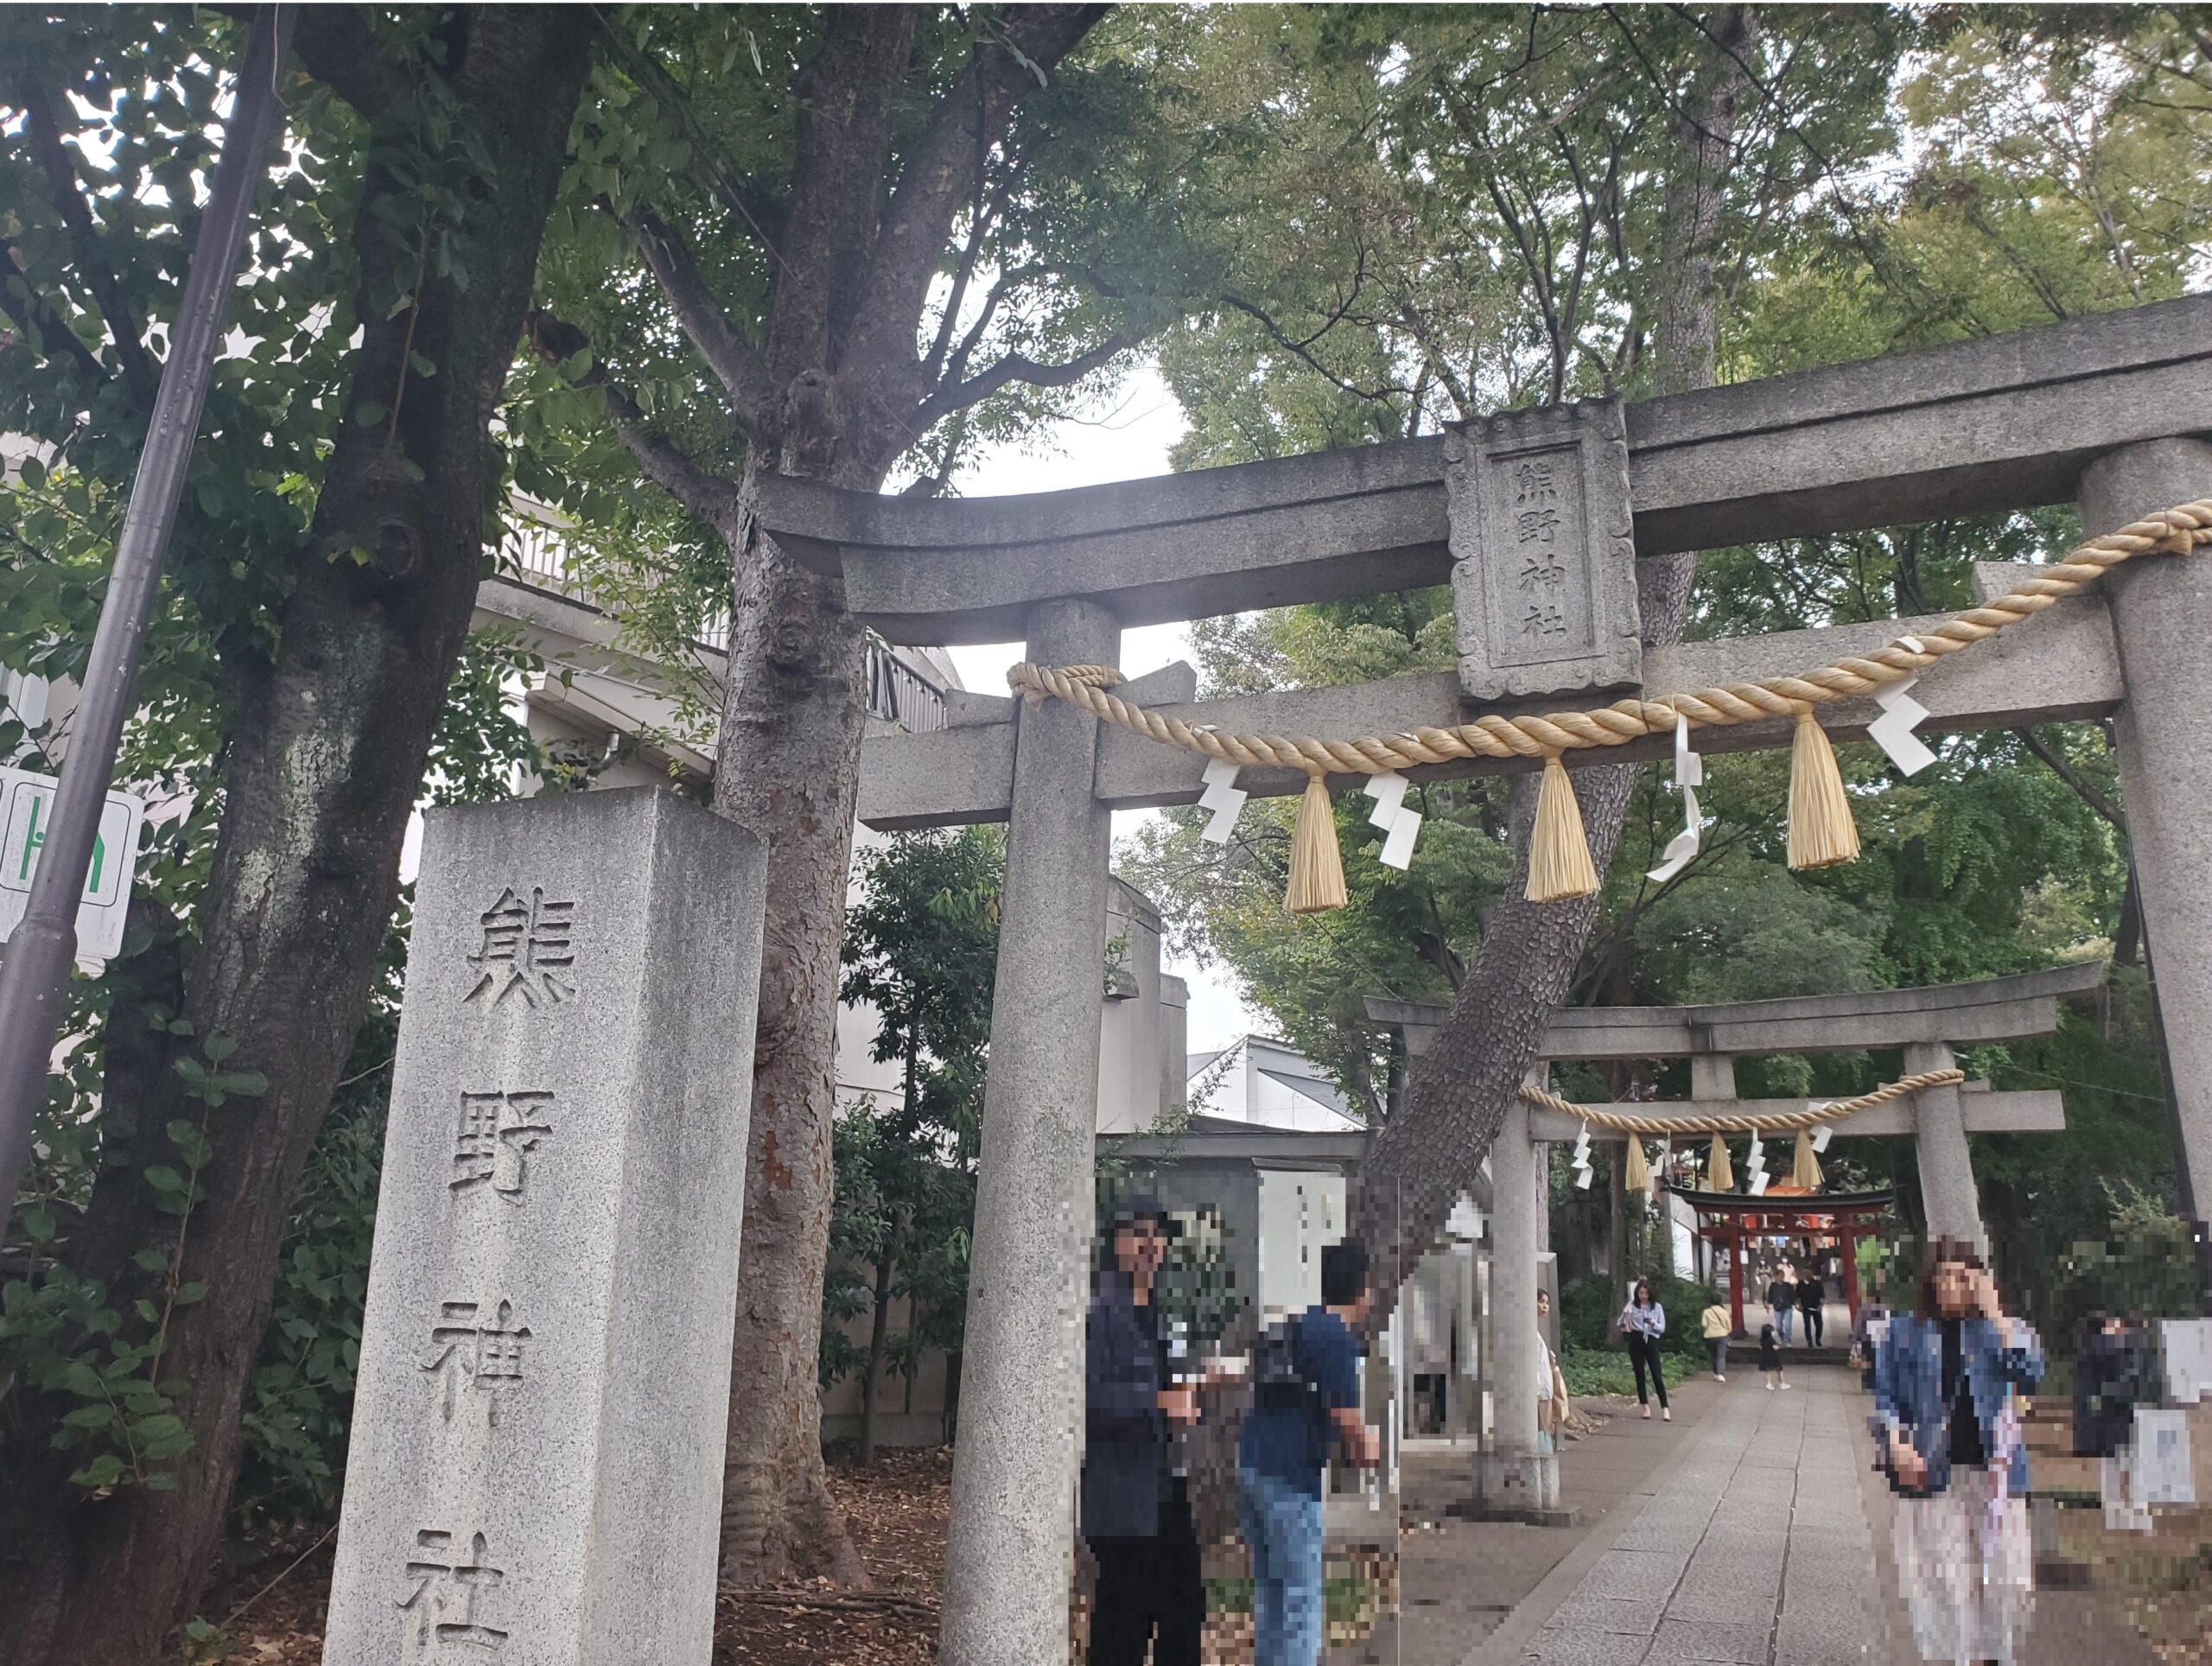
x=1588, y=1306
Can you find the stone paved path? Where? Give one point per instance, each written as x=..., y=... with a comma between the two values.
x=1755, y=1549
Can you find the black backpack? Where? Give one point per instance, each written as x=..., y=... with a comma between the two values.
x=1277, y=1384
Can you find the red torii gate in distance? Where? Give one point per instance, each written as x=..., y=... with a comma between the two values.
x=1730, y=1219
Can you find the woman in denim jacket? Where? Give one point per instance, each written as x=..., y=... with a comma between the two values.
x=1948, y=1437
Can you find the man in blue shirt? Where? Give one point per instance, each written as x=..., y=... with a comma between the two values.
x=1306, y=1393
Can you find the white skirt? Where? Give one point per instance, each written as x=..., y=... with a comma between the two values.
x=1968, y=1567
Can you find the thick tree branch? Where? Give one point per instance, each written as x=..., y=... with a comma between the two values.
x=935, y=180
x=736, y=364
x=140, y=374
x=339, y=49
x=845, y=96
x=2063, y=768
x=1019, y=367
x=661, y=459
x=41, y=326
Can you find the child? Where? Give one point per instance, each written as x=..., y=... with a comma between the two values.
x=1771, y=1359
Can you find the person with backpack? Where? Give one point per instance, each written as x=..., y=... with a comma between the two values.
x=1305, y=1400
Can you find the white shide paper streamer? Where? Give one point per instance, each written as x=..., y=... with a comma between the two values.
x=1689, y=775
x=1222, y=798
x=1901, y=714
x=1400, y=826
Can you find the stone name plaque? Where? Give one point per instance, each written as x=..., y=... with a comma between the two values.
x=534, y=1476
x=1543, y=550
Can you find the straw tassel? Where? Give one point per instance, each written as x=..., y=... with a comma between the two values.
x=1317, y=868
x=1637, y=1177
x=1807, y=1171
x=1821, y=832
x=1718, y=1177
x=1559, y=853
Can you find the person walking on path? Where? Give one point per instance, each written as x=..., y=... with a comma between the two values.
x=1644, y=1321
x=1948, y=1438
x=1137, y=1507
x=1717, y=1322
x=1306, y=1393
x=2114, y=1372
x=1812, y=1295
x=1782, y=1300
x=1771, y=1359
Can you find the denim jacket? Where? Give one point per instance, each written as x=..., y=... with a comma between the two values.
x=1908, y=1389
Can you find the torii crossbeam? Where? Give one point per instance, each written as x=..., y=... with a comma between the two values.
x=2109, y=412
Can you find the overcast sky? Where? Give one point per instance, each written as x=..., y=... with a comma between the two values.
x=1125, y=439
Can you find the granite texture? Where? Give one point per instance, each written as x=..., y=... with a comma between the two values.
x=1543, y=549
x=1012, y=1538
x=536, y=1471
x=2162, y=615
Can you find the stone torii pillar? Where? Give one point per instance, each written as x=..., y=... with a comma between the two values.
x=1512, y=1479
x=2162, y=618
x=1947, y=1189
x=1014, y=1466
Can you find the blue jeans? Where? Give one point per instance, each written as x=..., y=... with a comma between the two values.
x=1781, y=1318
x=1282, y=1530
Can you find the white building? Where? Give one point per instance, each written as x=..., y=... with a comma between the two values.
x=1263, y=1082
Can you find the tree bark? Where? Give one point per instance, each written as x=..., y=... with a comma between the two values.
x=879, y=1336
x=1457, y=1097
x=856, y=255
x=325, y=762
x=789, y=768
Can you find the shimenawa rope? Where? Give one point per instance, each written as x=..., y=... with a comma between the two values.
x=1818, y=802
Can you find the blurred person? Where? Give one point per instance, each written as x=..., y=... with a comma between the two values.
x=1553, y=1403
x=1948, y=1438
x=1644, y=1321
x=2114, y=1371
x=1811, y=1295
x=1719, y=1324
x=1771, y=1359
x=1136, y=1502
x=1306, y=1398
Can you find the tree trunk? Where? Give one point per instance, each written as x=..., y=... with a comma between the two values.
x=1423, y=1158
x=324, y=765
x=871, y=1380
x=789, y=767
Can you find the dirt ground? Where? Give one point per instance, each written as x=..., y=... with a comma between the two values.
x=897, y=1516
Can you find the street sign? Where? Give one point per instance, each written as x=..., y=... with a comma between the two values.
x=26, y=810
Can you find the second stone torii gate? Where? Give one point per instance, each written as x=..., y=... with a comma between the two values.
x=2085, y=409
x=1513, y=1478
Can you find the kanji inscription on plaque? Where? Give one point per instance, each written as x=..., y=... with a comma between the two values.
x=1543, y=575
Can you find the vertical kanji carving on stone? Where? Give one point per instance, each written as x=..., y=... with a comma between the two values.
x=525, y=944
x=1544, y=556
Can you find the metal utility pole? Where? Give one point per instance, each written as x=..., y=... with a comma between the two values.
x=36, y=966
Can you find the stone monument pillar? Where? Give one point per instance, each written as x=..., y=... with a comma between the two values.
x=1011, y=1553
x=1513, y=1480
x=2162, y=615
x=1947, y=1188
x=537, y=1463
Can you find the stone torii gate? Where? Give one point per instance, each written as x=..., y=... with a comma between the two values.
x=2107, y=411
x=1512, y=1478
